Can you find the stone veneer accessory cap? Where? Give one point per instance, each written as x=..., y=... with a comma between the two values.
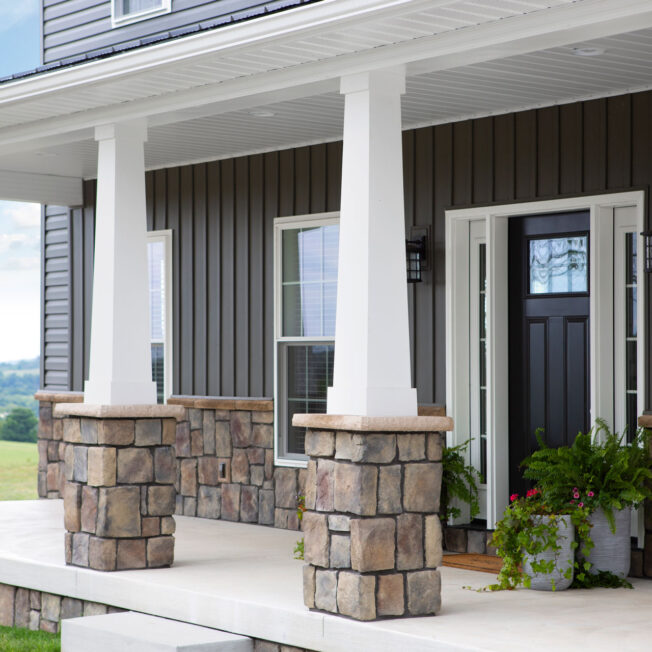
x=120, y=411
x=372, y=424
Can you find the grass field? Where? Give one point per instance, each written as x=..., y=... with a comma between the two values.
x=18, y=469
x=22, y=640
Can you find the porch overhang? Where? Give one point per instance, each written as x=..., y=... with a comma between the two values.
x=272, y=83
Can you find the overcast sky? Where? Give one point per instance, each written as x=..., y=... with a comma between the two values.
x=19, y=223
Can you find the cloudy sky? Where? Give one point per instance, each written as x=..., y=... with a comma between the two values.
x=19, y=223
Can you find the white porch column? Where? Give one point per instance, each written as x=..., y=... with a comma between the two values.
x=120, y=357
x=372, y=348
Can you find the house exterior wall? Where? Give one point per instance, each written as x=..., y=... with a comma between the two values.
x=221, y=214
x=76, y=27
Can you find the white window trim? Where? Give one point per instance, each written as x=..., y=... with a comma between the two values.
x=118, y=20
x=281, y=224
x=165, y=236
x=601, y=208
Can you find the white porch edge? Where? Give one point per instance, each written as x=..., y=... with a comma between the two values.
x=495, y=218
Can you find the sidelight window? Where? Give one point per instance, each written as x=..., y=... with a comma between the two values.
x=306, y=294
x=159, y=261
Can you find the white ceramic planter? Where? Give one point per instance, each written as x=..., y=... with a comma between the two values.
x=563, y=559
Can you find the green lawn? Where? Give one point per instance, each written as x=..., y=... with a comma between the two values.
x=22, y=640
x=18, y=469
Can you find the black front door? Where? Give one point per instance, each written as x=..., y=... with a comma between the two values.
x=548, y=333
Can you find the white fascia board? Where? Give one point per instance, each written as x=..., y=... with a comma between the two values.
x=558, y=26
x=40, y=188
x=296, y=22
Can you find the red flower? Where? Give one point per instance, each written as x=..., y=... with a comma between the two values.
x=532, y=492
x=513, y=497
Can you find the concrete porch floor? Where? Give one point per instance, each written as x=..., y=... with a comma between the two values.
x=242, y=579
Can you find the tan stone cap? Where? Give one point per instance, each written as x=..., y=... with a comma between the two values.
x=372, y=424
x=645, y=421
x=59, y=397
x=120, y=411
x=223, y=403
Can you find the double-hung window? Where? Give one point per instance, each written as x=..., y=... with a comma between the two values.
x=159, y=263
x=130, y=11
x=306, y=250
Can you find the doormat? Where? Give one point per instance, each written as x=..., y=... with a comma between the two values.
x=474, y=562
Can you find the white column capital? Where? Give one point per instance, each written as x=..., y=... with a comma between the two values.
x=135, y=130
x=390, y=80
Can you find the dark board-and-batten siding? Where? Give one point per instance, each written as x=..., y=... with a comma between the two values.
x=74, y=27
x=222, y=214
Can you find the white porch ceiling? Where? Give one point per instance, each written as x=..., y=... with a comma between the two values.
x=444, y=92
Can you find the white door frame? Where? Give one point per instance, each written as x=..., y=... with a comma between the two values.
x=495, y=218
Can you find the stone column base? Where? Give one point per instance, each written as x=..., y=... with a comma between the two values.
x=372, y=534
x=119, y=495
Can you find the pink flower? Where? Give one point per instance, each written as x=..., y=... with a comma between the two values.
x=572, y=502
x=513, y=497
x=590, y=494
x=581, y=505
x=575, y=490
x=576, y=495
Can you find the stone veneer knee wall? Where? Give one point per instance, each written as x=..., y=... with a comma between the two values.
x=225, y=460
x=38, y=610
x=225, y=463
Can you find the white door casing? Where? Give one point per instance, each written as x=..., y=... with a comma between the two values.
x=604, y=214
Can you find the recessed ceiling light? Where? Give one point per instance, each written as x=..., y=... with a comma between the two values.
x=262, y=113
x=588, y=51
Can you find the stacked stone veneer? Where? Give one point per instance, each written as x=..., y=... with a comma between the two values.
x=373, y=538
x=51, y=446
x=38, y=610
x=225, y=463
x=119, y=495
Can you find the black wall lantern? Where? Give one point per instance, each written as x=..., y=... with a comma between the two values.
x=416, y=253
x=647, y=250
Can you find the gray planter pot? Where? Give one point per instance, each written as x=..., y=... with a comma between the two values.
x=611, y=552
x=564, y=559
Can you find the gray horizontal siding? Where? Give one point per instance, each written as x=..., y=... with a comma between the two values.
x=55, y=330
x=74, y=27
x=221, y=214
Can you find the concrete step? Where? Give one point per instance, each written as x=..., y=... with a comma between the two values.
x=129, y=631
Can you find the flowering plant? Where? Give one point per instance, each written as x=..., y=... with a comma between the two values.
x=522, y=531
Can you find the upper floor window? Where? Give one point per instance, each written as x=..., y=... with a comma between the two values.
x=129, y=11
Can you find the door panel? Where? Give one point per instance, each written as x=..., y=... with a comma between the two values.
x=548, y=332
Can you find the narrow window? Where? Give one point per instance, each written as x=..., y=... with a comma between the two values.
x=306, y=294
x=129, y=11
x=631, y=346
x=160, y=303
x=627, y=358
x=478, y=413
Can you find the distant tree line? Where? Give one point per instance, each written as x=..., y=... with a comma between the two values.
x=19, y=425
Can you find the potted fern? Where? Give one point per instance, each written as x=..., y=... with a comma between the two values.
x=459, y=483
x=603, y=473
